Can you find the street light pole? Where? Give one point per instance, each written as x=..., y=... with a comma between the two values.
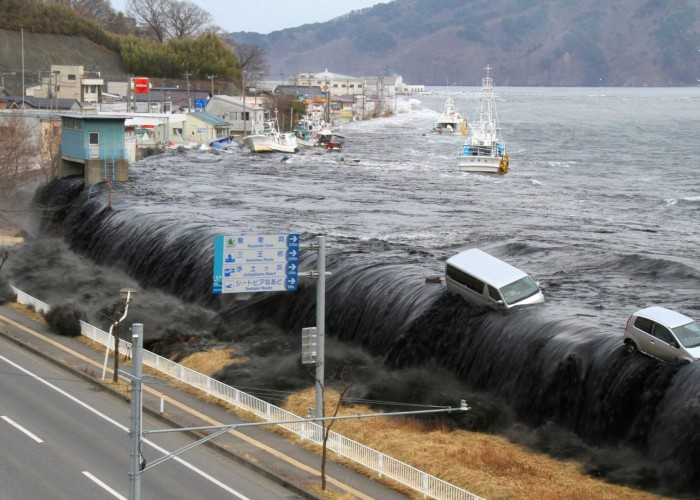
x=125, y=294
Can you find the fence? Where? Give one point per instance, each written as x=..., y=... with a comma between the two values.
x=384, y=465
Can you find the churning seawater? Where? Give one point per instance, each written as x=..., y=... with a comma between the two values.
x=601, y=206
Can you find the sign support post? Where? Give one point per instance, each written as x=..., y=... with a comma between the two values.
x=320, y=324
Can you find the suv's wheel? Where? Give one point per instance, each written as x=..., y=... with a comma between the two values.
x=630, y=347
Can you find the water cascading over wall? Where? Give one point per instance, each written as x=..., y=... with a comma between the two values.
x=548, y=369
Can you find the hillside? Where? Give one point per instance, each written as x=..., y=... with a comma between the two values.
x=43, y=50
x=528, y=42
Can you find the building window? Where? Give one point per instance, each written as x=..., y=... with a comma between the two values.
x=71, y=78
x=94, y=138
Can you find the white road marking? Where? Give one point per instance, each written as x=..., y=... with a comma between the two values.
x=12, y=422
x=103, y=485
x=126, y=429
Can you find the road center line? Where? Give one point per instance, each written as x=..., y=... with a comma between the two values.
x=15, y=424
x=103, y=485
x=124, y=428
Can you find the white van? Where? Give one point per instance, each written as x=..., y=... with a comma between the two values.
x=484, y=280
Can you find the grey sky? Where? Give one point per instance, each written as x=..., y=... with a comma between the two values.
x=265, y=16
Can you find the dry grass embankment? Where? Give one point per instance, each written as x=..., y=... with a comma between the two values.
x=487, y=465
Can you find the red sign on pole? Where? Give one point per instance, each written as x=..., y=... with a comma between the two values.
x=141, y=85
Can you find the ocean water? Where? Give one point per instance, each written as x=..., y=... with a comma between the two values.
x=601, y=203
x=601, y=206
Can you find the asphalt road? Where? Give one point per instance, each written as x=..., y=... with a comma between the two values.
x=63, y=438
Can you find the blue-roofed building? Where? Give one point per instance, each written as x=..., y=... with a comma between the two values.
x=92, y=145
x=202, y=127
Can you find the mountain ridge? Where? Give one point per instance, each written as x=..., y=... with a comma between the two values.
x=527, y=42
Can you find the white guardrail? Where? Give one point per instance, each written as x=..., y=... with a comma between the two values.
x=383, y=465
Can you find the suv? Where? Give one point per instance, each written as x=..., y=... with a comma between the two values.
x=664, y=334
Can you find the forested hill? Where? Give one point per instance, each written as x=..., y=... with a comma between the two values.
x=527, y=42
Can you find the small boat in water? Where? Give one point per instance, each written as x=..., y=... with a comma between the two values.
x=320, y=135
x=271, y=140
x=450, y=120
x=324, y=138
x=484, y=150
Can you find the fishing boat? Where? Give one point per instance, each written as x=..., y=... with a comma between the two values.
x=324, y=138
x=271, y=140
x=450, y=120
x=484, y=150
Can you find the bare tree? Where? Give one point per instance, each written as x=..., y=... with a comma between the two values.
x=18, y=152
x=97, y=10
x=170, y=18
x=50, y=150
x=152, y=14
x=251, y=58
x=187, y=20
x=4, y=255
x=326, y=433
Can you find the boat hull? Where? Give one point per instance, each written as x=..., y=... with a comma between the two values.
x=482, y=164
x=267, y=144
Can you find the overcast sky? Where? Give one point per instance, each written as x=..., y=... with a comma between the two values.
x=265, y=16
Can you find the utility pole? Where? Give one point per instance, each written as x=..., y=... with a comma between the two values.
x=24, y=91
x=212, y=77
x=137, y=465
x=189, y=103
x=245, y=125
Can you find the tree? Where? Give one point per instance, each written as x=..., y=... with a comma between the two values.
x=187, y=20
x=289, y=110
x=251, y=58
x=167, y=19
x=18, y=152
x=326, y=433
x=95, y=10
x=50, y=150
x=152, y=14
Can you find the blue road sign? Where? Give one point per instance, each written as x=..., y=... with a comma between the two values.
x=259, y=263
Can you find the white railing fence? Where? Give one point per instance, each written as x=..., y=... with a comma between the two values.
x=384, y=465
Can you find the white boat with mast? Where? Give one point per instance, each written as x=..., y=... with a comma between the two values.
x=450, y=120
x=271, y=139
x=484, y=150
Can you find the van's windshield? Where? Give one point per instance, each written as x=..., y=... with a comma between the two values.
x=519, y=290
x=688, y=335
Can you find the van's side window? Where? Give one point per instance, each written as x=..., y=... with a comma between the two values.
x=493, y=293
x=644, y=324
x=662, y=333
x=465, y=279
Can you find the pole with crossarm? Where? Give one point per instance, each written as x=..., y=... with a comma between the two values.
x=137, y=465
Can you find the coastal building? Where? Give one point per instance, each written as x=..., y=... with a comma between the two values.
x=93, y=146
x=369, y=95
x=243, y=119
x=69, y=82
x=202, y=127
